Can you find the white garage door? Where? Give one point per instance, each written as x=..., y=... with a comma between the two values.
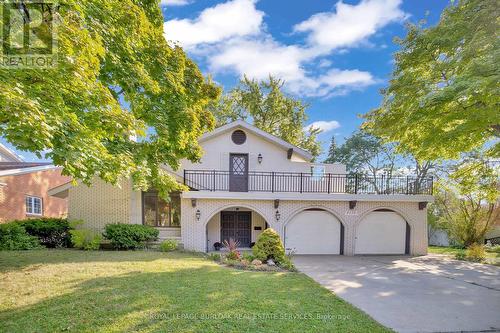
x=313, y=232
x=381, y=233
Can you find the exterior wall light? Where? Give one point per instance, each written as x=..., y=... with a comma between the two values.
x=276, y=203
x=193, y=203
x=198, y=215
x=259, y=158
x=278, y=215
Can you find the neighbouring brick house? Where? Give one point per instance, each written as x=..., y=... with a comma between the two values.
x=24, y=186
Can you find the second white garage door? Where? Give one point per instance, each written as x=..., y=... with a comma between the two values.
x=381, y=232
x=313, y=232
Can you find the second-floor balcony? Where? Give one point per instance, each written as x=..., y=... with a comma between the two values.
x=300, y=182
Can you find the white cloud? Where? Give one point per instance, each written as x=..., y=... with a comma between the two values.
x=174, y=2
x=259, y=57
x=349, y=25
x=235, y=18
x=231, y=37
x=256, y=58
x=324, y=126
x=341, y=82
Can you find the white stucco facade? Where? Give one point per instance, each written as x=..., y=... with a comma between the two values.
x=219, y=146
x=298, y=191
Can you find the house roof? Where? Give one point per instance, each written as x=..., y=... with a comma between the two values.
x=19, y=165
x=9, y=153
x=11, y=168
x=257, y=131
x=60, y=191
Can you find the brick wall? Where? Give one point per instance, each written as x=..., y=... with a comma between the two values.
x=101, y=204
x=15, y=188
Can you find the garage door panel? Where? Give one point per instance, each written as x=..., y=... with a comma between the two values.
x=381, y=233
x=313, y=232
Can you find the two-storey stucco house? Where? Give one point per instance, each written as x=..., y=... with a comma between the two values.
x=249, y=180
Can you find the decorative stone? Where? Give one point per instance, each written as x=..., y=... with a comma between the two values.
x=270, y=262
x=256, y=262
x=245, y=262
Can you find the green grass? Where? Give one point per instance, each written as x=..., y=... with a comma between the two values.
x=491, y=257
x=145, y=291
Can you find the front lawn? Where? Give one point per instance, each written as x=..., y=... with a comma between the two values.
x=145, y=291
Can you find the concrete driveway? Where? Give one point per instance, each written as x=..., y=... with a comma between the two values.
x=431, y=293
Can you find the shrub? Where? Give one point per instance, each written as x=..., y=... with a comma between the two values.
x=13, y=236
x=492, y=248
x=232, y=246
x=232, y=262
x=233, y=255
x=460, y=255
x=214, y=257
x=287, y=264
x=129, y=236
x=249, y=257
x=85, y=239
x=269, y=246
x=168, y=245
x=475, y=253
x=52, y=232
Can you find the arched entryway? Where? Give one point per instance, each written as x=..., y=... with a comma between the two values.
x=314, y=231
x=240, y=223
x=382, y=231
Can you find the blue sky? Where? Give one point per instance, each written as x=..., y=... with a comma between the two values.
x=334, y=55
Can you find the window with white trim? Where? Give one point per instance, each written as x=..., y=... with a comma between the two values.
x=34, y=205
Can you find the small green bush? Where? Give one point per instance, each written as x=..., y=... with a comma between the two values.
x=168, y=245
x=460, y=255
x=248, y=256
x=13, y=236
x=85, y=239
x=214, y=257
x=475, y=253
x=269, y=246
x=129, y=236
x=287, y=264
x=52, y=232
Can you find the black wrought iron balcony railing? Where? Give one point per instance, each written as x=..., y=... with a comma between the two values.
x=300, y=182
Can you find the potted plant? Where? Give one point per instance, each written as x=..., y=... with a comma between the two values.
x=217, y=246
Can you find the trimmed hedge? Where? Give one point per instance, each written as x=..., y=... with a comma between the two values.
x=269, y=246
x=13, y=236
x=52, y=232
x=129, y=236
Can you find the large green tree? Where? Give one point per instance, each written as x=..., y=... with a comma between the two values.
x=363, y=153
x=443, y=98
x=120, y=101
x=467, y=200
x=266, y=105
x=366, y=154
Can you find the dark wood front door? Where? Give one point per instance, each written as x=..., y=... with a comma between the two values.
x=238, y=172
x=238, y=226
